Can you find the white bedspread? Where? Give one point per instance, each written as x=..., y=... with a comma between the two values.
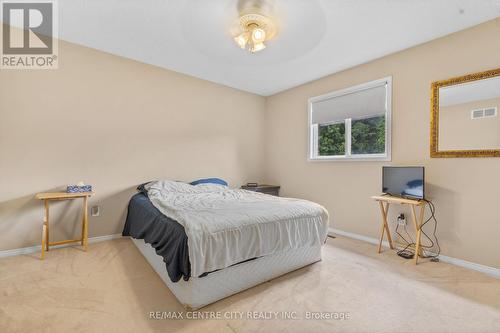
x=226, y=226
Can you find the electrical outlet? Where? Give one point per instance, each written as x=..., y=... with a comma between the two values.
x=402, y=219
x=95, y=211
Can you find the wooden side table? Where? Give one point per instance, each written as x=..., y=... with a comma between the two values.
x=385, y=201
x=58, y=196
x=267, y=189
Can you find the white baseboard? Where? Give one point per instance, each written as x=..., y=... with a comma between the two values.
x=356, y=236
x=492, y=271
x=38, y=248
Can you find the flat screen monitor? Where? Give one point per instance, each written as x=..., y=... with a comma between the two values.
x=403, y=181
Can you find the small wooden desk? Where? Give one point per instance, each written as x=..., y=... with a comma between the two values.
x=385, y=201
x=58, y=196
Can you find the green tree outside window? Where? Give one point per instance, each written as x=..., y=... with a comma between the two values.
x=367, y=137
x=331, y=139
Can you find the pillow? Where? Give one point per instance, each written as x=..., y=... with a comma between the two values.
x=170, y=186
x=217, y=181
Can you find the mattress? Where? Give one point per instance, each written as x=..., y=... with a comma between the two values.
x=199, y=292
x=227, y=226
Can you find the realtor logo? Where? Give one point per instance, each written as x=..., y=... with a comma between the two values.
x=29, y=37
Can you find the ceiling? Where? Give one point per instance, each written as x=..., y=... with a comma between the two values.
x=316, y=38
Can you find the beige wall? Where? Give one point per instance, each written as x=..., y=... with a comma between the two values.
x=114, y=123
x=458, y=131
x=465, y=191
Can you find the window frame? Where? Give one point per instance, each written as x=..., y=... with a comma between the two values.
x=312, y=156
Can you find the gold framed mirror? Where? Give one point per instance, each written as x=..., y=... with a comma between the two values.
x=465, y=119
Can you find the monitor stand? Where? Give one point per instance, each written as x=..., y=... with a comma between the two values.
x=384, y=202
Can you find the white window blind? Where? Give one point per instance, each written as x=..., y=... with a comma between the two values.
x=360, y=104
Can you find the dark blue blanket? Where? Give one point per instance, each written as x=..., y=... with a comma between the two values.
x=166, y=236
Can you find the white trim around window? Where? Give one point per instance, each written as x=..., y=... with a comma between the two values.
x=313, y=130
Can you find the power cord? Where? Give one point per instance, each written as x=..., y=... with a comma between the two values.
x=408, y=254
x=404, y=252
x=432, y=217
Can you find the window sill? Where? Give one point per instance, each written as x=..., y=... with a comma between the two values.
x=361, y=158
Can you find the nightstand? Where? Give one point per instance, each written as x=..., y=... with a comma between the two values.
x=267, y=189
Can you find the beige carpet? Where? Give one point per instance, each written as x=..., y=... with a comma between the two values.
x=113, y=289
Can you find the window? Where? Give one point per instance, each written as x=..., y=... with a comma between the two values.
x=352, y=124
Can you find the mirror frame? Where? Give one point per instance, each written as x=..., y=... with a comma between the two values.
x=435, y=117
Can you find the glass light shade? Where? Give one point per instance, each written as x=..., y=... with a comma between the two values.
x=258, y=35
x=257, y=47
x=242, y=40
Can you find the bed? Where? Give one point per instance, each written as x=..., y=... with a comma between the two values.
x=208, y=241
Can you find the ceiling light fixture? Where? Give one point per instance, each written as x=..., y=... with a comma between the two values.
x=254, y=30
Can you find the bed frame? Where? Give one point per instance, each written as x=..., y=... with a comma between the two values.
x=198, y=292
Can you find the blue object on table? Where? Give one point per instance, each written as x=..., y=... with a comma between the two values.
x=78, y=189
